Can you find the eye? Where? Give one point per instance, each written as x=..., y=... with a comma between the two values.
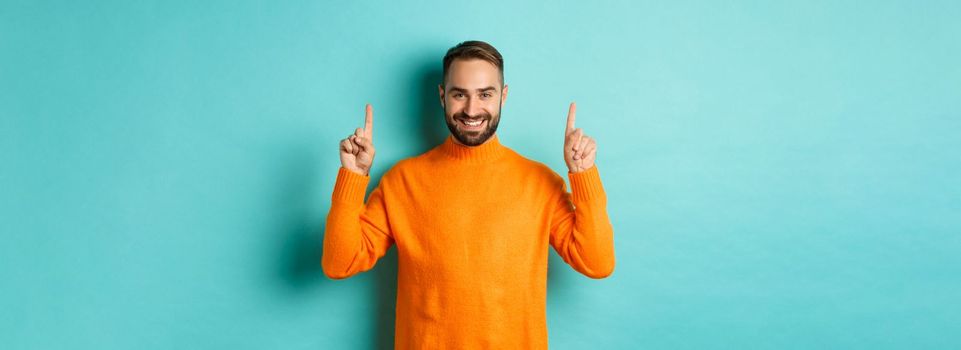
x=487, y=95
x=458, y=95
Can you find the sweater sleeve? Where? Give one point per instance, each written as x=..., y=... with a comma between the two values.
x=356, y=234
x=580, y=230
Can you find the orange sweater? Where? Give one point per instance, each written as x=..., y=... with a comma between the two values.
x=472, y=227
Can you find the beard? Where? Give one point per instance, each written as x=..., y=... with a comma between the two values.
x=470, y=137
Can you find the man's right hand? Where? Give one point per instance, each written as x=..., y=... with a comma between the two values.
x=357, y=150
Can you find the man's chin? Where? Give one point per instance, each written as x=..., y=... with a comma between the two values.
x=472, y=138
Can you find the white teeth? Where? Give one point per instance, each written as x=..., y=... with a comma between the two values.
x=473, y=123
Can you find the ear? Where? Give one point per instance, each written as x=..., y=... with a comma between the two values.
x=440, y=92
x=503, y=95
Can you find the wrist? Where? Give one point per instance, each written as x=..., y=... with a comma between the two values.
x=357, y=170
x=576, y=170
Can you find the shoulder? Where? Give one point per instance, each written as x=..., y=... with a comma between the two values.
x=535, y=170
x=400, y=169
x=407, y=167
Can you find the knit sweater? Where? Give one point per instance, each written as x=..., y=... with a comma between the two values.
x=472, y=227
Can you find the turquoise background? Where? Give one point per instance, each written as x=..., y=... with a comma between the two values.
x=780, y=175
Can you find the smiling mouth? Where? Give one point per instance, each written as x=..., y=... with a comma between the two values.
x=472, y=124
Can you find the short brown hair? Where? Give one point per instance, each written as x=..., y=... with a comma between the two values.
x=474, y=49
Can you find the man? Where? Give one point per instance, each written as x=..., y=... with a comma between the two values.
x=471, y=218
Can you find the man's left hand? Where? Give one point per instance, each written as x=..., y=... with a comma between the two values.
x=579, y=150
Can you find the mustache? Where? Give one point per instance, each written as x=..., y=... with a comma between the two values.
x=462, y=115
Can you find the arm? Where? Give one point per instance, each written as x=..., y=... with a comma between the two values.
x=356, y=234
x=580, y=230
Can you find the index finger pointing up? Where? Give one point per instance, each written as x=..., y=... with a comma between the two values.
x=369, y=122
x=570, y=117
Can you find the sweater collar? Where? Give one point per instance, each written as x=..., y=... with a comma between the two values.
x=488, y=151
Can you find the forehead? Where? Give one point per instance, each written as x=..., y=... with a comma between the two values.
x=473, y=73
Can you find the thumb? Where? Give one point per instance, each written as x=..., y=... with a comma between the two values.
x=366, y=144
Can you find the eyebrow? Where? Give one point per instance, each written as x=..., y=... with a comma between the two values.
x=459, y=89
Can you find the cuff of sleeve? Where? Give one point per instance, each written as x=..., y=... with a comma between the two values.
x=350, y=186
x=586, y=185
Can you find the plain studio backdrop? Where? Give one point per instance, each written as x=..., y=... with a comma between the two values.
x=780, y=176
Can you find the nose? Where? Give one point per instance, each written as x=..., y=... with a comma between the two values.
x=473, y=107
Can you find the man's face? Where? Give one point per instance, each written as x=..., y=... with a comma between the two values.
x=472, y=98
